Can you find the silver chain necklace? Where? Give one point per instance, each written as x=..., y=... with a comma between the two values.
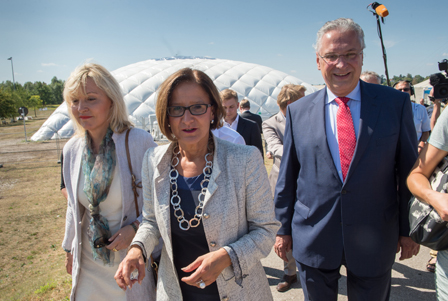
x=175, y=198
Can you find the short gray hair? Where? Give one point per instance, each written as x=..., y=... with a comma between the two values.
x=366, y=75
x=341, y=24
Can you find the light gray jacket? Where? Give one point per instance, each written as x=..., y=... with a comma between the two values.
x=238, y=213
x=139, y=142
x=273, y=131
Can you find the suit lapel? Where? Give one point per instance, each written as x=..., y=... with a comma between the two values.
x=370, y=111
x=212, y=185
x=317, y=116
x=162, y=191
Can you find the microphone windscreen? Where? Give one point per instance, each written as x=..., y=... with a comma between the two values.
x=381, y=10
x=436, y=78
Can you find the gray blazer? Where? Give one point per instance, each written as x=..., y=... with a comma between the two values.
x=273, y=131
x=238, y=213
x=139, y=142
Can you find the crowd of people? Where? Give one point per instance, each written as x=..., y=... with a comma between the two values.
x=191, y=219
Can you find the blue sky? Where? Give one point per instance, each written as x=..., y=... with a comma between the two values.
x=49, y=38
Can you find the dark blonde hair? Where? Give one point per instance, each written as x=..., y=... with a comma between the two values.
x=167, y=88
x=228, y=94
x=290, y=93
x=245, y=103
x=75, y=87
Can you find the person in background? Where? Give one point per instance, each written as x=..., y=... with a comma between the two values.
x=418, y=181
x=246, y=128
x=421, y=120
x=246, y=113
x=371, y=77
x=273, y=132
x=101, y=216
x=208, y=199
x=344, y=156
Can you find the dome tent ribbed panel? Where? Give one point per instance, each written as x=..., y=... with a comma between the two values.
x=139, y=83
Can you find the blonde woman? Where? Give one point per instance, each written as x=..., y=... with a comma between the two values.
x=101, y=213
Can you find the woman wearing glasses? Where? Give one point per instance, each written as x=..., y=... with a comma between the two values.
x=209, y=199
x=101, y=215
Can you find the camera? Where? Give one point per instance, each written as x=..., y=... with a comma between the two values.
x=440, y=82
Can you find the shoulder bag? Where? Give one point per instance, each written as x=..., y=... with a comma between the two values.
x=427, y=228
x=135, y=185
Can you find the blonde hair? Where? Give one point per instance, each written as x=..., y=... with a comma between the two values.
x=75, y=87
x=186, y=75
x=290, y=93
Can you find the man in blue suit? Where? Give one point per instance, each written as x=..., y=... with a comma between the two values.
x=341, y=194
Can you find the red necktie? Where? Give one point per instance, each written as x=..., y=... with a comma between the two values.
x=346, y=134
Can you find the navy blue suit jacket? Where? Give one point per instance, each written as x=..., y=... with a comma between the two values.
x=364, y=216
x=250, y=132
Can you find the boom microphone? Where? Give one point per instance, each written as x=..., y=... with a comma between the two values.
x=380, y=9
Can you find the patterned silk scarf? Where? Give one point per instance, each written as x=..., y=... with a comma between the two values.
x=98, y=175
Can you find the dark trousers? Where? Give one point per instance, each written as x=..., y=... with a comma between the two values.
x=322, y=285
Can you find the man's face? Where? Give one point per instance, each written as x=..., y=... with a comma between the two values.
x=404, y=87
x=342, y=75
x=230, y=106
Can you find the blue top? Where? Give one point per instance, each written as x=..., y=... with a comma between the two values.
x=189, y=245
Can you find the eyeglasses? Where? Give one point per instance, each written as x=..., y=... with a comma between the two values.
x=404, y=89
x=179, y=111
x=332, y=59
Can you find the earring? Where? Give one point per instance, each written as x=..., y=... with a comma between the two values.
x=169, y=125
x=212, y=121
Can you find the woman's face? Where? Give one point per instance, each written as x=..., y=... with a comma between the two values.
x=190, y=129
x=92, y=110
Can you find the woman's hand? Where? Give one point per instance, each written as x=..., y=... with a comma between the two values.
x=134, y=260
x=68, y=262
x=122, y=239
x=208, y=267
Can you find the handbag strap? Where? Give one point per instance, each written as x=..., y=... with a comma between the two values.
x=134, y=183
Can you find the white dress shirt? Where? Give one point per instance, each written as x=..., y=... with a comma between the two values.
x=234, y=124
x=226, y=133
x=331, y=109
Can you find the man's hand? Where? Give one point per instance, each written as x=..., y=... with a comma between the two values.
x=269, y=155
x=408, y=247
x=283, y=243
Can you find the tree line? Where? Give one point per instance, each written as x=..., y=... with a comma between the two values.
x=413, y=79
x=30, y=95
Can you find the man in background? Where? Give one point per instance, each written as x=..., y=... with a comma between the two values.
x=273, y=132
x=421, y=119
x=246, y=128
x=246, y=113
x=371, y=77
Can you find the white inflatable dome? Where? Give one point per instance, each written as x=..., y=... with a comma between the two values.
x=140, y=81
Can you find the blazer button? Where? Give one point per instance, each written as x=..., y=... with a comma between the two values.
x=212, y=244
x=125, y=218
x=344, y=191
x=206, y=216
